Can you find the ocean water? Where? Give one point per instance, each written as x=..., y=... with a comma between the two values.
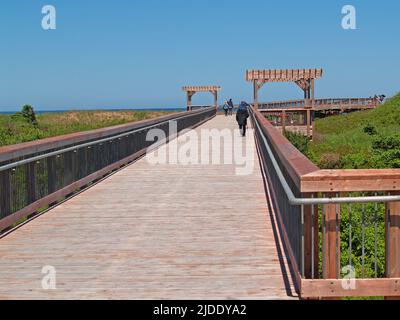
x=100, y=109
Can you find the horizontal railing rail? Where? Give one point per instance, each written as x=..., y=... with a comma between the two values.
x=220, y=107
x=340, y=103
x=37, y=174
x=200, y=107
x=333, y=222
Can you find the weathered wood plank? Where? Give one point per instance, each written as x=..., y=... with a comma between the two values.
x=351, y=180
x=363, y=287
x=153, y=232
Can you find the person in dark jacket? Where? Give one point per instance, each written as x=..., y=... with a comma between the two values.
x=241, y=117
x=231, y=106
x=226, y=108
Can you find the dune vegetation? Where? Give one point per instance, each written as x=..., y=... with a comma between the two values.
x=27, y=126
x=359, y=140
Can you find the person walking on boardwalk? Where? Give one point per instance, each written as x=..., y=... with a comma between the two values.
x=241, y=117
x=226, y=108
x=231, y=106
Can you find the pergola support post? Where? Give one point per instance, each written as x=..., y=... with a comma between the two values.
x=257, y=85
x=215, y=94
x=190, y=94
x=313, y=89
x=255, y=94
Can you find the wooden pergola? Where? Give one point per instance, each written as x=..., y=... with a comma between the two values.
x=192, y=90
x=304, y=78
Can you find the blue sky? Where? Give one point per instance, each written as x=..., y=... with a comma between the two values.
x=127, y=53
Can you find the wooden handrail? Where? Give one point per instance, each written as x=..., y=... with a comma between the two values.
x=323, y=102
x=295, y=163
x=351, y=181
x=309, y=178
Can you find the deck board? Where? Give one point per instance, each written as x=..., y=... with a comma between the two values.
x=153, y=232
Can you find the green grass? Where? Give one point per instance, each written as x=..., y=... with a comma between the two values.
x=360, y=140
x=15, y=129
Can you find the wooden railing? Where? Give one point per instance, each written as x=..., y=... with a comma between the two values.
x=323, y=104
x=37, y=174
x=199, y=107
x=333, y=222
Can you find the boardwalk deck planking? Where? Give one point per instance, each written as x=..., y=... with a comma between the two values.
x=153, y=232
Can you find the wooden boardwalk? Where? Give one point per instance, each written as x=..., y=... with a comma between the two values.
x=153, y=232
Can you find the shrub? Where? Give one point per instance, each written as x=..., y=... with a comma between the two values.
x=29, y=114
x=330, y=161
x=298, y=140
x=370, y=130
x=384, y=143
x=356, y=161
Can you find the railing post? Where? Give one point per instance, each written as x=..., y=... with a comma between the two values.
x=31, y=182
x=393, y=241
x=5, y=194
x=331, y=241
x=308, y=123
x=255, y=94
x=51, y=176
x=283, y=121
x=311, y=241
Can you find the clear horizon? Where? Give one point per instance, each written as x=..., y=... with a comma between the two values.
x=90, y=108
x=136, y=53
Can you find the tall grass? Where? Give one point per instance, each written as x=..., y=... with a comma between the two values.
x=14, y=129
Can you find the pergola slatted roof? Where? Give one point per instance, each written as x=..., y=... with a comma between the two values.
x=283, y=75
x=201, y=88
